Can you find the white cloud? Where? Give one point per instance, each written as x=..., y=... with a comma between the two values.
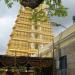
x=7, y=20
x=6, y=24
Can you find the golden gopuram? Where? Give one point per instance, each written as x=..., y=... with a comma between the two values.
x=28, y=37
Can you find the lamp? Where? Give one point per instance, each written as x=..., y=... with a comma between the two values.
x=28, y=67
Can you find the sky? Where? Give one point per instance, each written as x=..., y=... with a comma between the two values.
x=7, y=21
x=8, y=17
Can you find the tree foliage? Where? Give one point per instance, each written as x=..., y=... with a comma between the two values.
x=55, y=8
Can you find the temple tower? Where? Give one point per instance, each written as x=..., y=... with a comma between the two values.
x=27, y=39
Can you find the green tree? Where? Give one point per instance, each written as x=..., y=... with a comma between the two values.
x=55, y=8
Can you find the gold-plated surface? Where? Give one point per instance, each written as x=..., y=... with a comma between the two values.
x=27, y=38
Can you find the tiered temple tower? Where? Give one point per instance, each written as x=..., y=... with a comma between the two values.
x=27, y=39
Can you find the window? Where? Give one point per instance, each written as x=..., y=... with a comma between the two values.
x=36, y=46
x=35, y=27
x=36, y=35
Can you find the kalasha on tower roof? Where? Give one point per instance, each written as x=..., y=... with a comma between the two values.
x=31, y=3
